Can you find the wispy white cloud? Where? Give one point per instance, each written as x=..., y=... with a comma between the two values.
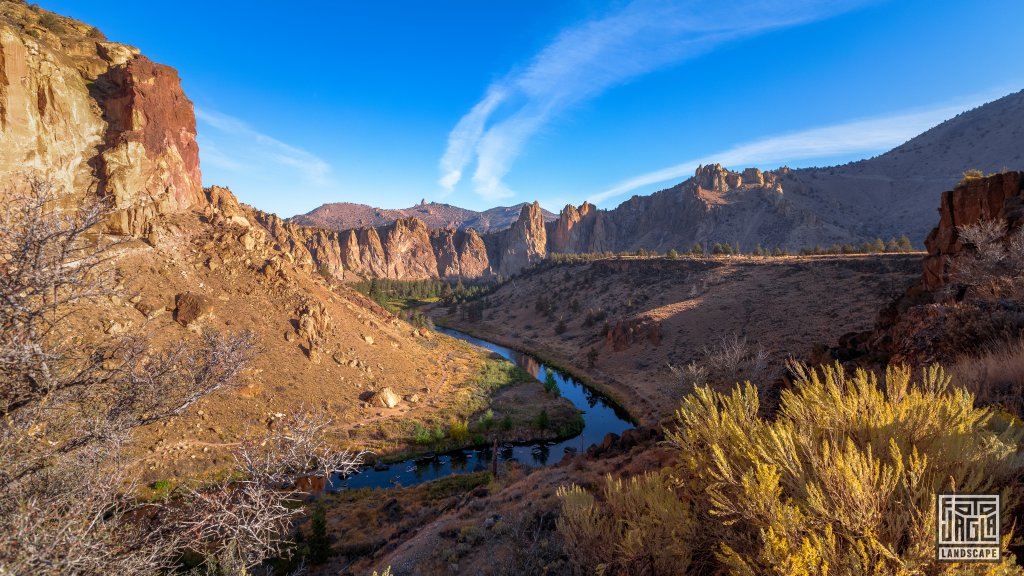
x=861, y=136
x=585, y=60
x=250, y=147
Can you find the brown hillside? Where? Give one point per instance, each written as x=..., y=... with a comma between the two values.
x=650, y=315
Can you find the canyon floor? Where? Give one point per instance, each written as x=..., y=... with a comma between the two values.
x=473, y=524
x=629, y=325
x=242, y=281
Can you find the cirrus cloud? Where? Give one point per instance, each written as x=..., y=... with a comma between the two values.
x=585, y=60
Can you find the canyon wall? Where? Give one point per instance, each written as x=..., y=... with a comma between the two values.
x=715, y=205
x=95, y=118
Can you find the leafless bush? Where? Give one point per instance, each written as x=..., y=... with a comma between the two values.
x=67, y=405
x=994, y=267
x=733, y=359
x=244, y=520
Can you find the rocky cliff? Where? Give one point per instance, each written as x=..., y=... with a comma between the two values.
x=997, y=197
x=407, y=249
x=715, y=205
x=522, y=245
x=938, y=318
x=95, y=117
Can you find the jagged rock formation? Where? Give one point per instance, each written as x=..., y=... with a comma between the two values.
x=348, y=215
x=459, y=253
x=406, y=249
x=94, y=117
x=885, y=196
x=716, y=205
x=522, y=245
x=936, y=319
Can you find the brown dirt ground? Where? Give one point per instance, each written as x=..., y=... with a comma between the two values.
x=193, y=255
x=787, y=305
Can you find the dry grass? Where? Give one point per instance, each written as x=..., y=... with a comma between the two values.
x=996, y=377
x=697, y=303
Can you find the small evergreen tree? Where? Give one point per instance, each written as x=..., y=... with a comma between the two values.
x=319, y=542
x=543, y=420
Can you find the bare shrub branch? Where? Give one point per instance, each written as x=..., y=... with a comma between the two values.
x=994, y=265
x=68, y=403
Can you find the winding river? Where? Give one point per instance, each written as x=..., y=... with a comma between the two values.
x=599, y=417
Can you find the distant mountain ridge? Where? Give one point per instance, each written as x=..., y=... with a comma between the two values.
x=886, y=196
x=348, y=215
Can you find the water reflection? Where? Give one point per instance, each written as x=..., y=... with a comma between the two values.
x=599, y=418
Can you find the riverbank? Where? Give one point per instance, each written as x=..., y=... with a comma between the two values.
x=550, y=436
x=604, y=384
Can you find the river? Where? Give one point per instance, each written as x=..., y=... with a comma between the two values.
x=599, y=418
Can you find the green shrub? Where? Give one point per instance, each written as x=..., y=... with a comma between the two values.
x=542, y=421
x=673, y=254
x=487, y=420
x=52, y=23
x=161, y=488
x=422, y=435
x=319, y=543
x=459, y=431
x=561, y=327
x=506, y=423
x=438, y=433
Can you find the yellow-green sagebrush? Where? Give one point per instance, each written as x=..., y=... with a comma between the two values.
x=842, y=480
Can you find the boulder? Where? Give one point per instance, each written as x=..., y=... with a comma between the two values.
x=191, y=307
x=385, y=397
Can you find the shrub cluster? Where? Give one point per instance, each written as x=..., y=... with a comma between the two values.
x=842, y=481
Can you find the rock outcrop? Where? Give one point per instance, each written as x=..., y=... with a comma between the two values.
x=522, y=245
x=937, y=319
x=459, y=253
x=997, y=197
x=191, y=307
x=716, y=205
x=94, y=117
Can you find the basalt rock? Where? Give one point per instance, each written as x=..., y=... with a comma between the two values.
x=626, y=333
x=999, y=196
x=932, y=321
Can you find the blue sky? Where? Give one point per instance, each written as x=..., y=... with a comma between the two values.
x=493, y=103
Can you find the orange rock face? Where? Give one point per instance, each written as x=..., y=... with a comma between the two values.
x=999, y=196
x=150, y=164
x=95, y=117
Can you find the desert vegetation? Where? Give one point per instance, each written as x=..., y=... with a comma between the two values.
x=68, y=497
x=820, y=488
